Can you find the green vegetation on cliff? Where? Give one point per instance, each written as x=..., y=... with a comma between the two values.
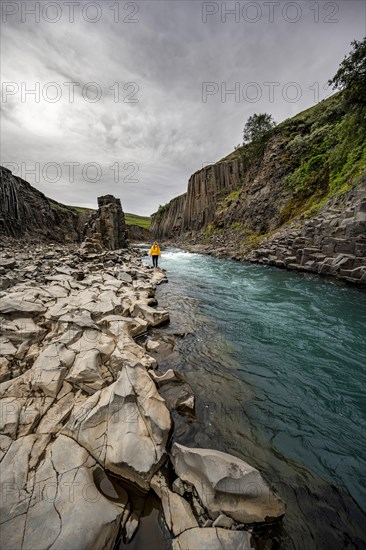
x=323, y=150
x=282, y=173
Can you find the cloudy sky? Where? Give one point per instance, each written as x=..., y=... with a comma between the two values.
x=131, y=98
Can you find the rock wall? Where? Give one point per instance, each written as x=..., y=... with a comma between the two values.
x=258, y=204
x=107, y=224
x=267, y=221
x=205, y=188
x=332, y=243
x=26, y=212
x=196, y=208
x=168, y=221
x=137, y=233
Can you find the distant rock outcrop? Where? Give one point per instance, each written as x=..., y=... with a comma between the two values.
x=168, y=220
x=137, y=233
x=107, y=225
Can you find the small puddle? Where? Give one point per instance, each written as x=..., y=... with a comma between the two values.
x=150, y=534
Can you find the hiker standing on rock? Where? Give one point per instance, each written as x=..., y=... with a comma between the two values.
x=155, y=253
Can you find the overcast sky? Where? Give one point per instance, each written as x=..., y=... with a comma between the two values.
x=131, y=98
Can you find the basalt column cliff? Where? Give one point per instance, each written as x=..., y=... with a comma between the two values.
x=297, y=201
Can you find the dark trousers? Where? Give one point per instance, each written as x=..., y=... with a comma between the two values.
x=155, y=261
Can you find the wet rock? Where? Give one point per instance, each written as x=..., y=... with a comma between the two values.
x=212, y=538
x=166, y=377
x=177, y=512
x=178, y=394
x=226, y=484
x=152, y=345
x=153, y=316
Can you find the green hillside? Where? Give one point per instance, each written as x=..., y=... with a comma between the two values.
x=131, y=219
x=323, y=151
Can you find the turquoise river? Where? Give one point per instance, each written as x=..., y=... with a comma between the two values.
x=277, y=362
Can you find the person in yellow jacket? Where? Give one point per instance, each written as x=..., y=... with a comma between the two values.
x=155, y=253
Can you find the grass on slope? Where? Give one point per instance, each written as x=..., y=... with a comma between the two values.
x=131, y=219
x=323, y=153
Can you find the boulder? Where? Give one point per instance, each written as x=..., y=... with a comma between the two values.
x=125, y=426
x=226, y=484
x=153, y=316
x=223, y=521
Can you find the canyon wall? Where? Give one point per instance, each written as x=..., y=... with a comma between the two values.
x=297, y=200
x=26, y=212
x=227, y=193
x=168, y=220
x=137, y=233
x=205, y=189
x=196, y=208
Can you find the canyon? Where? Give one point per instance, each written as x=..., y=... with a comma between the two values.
x=86, y=414
x=281, y=204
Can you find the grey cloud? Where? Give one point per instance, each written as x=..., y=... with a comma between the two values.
x=169, y=53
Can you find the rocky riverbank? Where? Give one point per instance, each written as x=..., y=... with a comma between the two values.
x=83, y=419
x=332, y=243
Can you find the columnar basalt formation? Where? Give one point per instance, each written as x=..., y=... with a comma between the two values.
x=26, y=212
x=196, y=208
x=332, y=243
x=107, y=224
x=168, y=221
x=205, y=189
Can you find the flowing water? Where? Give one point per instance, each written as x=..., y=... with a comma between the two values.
x=276, y=360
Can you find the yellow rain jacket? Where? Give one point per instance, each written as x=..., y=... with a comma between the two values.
x=155, y=250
